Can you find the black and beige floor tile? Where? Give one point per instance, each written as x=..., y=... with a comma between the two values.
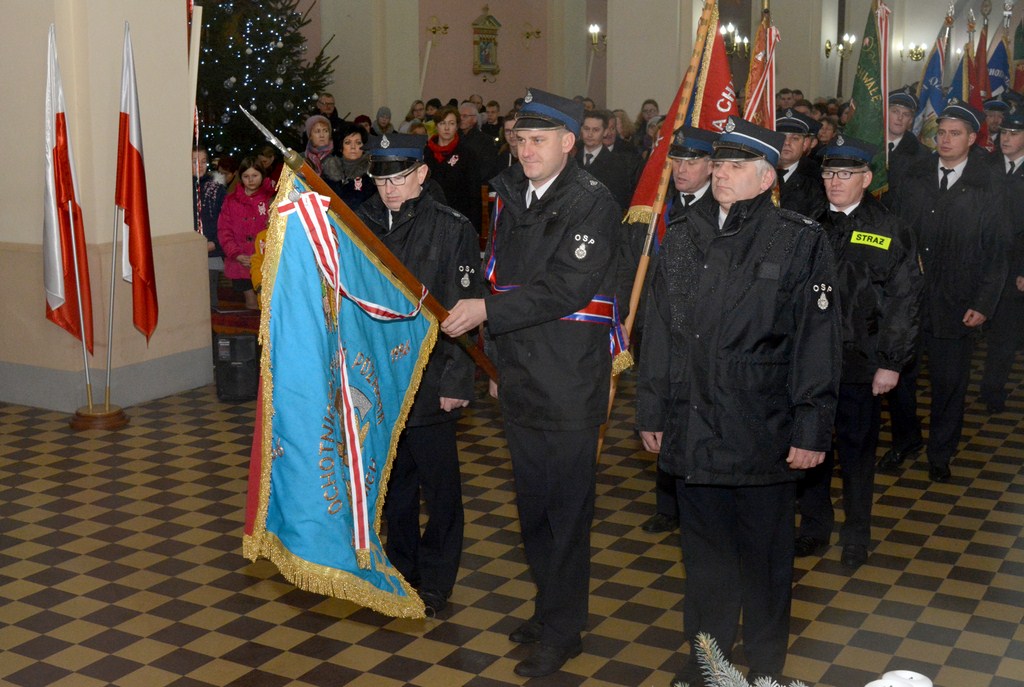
x=120, y=564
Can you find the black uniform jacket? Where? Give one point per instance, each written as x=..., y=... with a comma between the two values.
x=742, y=348
x=1014, y=188
x=879, y=285
x=962, y=237
x=804, y=191
x=900, y=160
x=614, y=171
x=440, y=247
x=559, y=253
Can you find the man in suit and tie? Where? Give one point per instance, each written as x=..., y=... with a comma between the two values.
x=1006, y=334
x=955, y=204
x=611, y=170
x=904, y=147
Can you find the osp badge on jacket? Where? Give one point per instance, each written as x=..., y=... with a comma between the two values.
x=581, y=250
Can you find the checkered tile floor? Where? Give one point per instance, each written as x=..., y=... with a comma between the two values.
x=120, y=564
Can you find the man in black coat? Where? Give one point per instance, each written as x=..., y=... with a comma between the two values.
x=879, y=289
x=690, y=156
x=1006, y=334
x=736, y=392
x=904, y=148
x=614, y=171
x=552, y=270
x=439, y=246
x=800, y=187
x=955, y=204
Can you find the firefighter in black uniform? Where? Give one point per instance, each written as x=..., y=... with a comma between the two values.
x=954, y=202
x=736, y=392
x=551, y=266
x=879, y=287
x=903, y=145
x=800, y=188
x=1006, y=335
x=690, y=155
x=439, y=246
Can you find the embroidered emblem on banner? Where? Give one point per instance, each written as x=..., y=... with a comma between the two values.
x=822, y=290
x=581, y=250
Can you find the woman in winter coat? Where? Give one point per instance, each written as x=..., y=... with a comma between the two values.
x=454, y=166
x=347, y=173
x=244, y=214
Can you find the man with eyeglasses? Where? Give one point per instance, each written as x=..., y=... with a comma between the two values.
x=736, y=392
x=879, y=288
x=954, y=203
x=439, y=246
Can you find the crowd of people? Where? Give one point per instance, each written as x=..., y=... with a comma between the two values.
x=769, y=336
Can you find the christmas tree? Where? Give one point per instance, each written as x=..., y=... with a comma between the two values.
x=254, y=56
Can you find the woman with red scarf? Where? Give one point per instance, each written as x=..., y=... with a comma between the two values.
x=454, y=166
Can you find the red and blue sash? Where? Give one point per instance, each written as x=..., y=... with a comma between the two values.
x=601, y=309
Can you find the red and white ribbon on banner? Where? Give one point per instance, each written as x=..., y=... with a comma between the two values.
x=311, y=209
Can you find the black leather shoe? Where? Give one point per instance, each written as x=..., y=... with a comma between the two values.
x=434, y=601
x=854, y=556
x=808, y=546
x=527, y=633
x=939, y=473
x=659, y=522
x=893, y=460
x=546, y=659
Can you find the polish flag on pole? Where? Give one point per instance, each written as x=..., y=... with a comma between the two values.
x=137, y=256
x=65, y=265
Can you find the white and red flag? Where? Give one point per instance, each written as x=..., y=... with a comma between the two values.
x=130, y=195
x=65, y=264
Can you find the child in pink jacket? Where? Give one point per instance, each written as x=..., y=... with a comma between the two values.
x=244, y=214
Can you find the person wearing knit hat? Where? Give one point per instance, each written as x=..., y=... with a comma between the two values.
x=319, y=141
x=382, y=123
x=955, y=204
x=879, y=292
x=553, y=318
x=736, y=393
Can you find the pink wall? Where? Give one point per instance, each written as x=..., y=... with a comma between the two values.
x=450, y=69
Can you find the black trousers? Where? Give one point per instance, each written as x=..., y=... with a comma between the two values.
x=665, y=494
x=949, y=367
x=555, y=476
x=427, y=462
x=902, y=400
x=1005, y=337
x=738, y=555
x=857, y=421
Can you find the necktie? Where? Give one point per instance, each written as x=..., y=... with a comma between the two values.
x=688, y=199
x=533, y=199
x=782, y=175
x=1009, y=172
x=892, y=147
x=944, y=184
x=589, y=158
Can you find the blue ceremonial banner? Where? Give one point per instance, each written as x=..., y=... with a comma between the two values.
x=931, y=100
x=344, y=346
x=999, y=69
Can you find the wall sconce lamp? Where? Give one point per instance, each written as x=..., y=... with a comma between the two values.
x=598, y=40
x=914, y=52
x=529, y=33
x=436, y=28
x=843, y=46
x=735, y=44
